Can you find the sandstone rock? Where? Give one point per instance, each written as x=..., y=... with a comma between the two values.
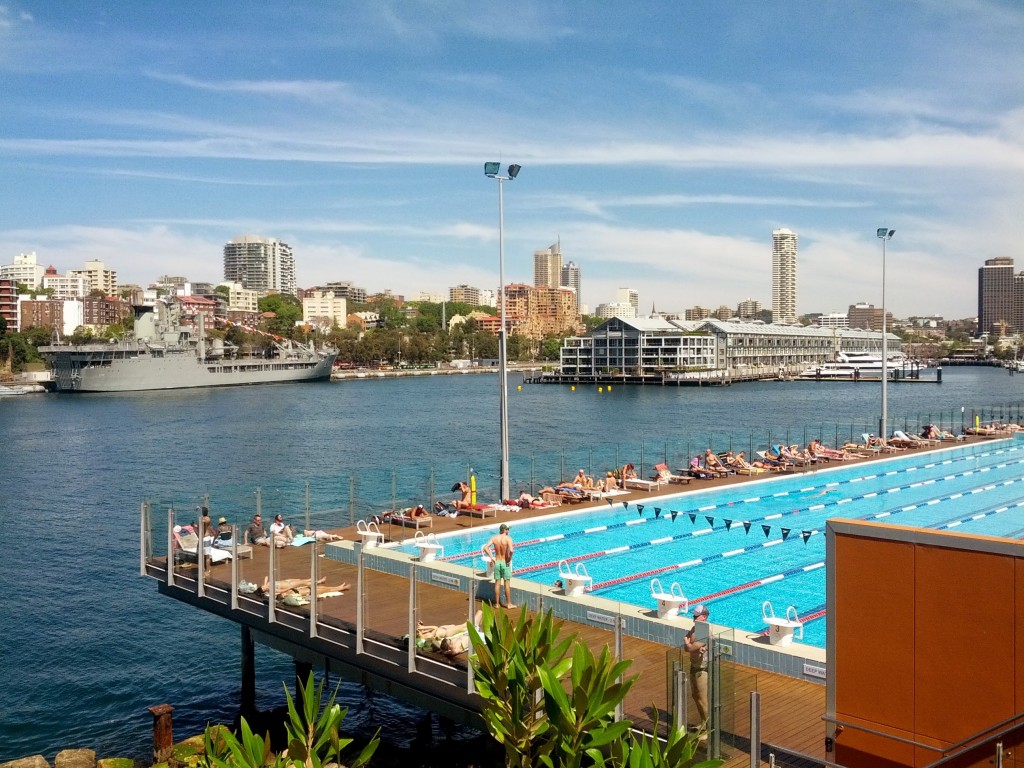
x=36, y=761
x=75, y=758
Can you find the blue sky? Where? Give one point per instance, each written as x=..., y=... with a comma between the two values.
x=661, y=142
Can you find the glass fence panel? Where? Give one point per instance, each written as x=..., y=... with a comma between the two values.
x=650, y=699
x=442, y=613
x=385, y=596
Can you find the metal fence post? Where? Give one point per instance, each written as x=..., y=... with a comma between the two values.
x=755, y=729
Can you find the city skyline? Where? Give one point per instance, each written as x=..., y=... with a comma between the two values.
x=660, y=145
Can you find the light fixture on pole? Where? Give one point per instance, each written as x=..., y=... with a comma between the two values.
x=884, y=233
x=493, y=170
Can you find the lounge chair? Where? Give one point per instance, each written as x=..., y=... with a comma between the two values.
x=699, y=471
x=402, y=517
x=743, y=467
x=663, y=474
x=187, y=542
x=903, y=440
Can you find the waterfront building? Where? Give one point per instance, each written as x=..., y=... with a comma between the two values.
x=1000, y=297
x=64, y=286
x=43, y=313
x=262, y=264
x=547, y=266
x=97, y=277
x=656, y=345
x=325, y=310
x=784, y=244
x=465, y=294
x=697, y=313
x=723, y=312
x=24, y=269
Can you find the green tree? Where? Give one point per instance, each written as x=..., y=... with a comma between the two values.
x=81, y=335
x=287, y=311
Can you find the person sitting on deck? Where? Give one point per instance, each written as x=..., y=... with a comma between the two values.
x=582, y=481
x=255, y=533
x=281, y=533
x=610, y=483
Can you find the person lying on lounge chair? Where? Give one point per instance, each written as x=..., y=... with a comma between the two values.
x=449, y=639
x=739, y=463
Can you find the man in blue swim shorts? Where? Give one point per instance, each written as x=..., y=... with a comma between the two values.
x=500, y=550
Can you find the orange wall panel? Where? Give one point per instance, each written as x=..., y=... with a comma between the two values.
x=964, y=630
x=874, y=636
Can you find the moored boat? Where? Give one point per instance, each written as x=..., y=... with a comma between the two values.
x=165, y=354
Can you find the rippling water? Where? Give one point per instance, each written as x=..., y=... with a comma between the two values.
x=88, y=644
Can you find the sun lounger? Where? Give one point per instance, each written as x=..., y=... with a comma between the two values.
x=664, y=475
x=638, y=483
x=400, y=518
x=187, y=542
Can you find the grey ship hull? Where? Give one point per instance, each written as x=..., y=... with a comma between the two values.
x=134, y=368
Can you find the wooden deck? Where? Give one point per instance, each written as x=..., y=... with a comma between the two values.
x=791, y=709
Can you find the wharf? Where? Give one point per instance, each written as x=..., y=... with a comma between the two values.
x=360, y=634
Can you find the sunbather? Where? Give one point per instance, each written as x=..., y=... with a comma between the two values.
x=466, y=500
x=301, y=587
x=739, y=463
x=628, y=472
x=582, y=481
x=281, y=533
x=450, y=639
x=699, y=471
x=713, y=464
x=609, y=483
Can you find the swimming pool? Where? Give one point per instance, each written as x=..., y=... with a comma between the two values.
x=735, y=547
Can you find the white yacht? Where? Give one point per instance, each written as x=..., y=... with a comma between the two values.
x=865, y=365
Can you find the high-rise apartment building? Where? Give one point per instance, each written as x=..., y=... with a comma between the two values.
x=999, y=304
x=262, y=264
x=547, y=267
x=867, y=317
x=784, y=242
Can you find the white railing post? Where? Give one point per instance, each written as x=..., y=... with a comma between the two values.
x=144, y=536
x=755, y=729
x=359, y=601
x=171, y=556
x=313, y=561
x=272, y=579
x=411, y=666
x=234, y=567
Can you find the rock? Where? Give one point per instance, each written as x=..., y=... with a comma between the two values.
x=115, y=762
x=36, y=761
x=75, y=758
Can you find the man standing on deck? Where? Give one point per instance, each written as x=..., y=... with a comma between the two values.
x=500, y=550
x=696, y=644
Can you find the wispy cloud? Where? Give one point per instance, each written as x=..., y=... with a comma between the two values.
x=315, y=91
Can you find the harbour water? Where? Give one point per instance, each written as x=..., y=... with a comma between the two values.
x=88, y=644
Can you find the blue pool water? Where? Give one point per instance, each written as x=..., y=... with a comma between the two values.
x=734, y=548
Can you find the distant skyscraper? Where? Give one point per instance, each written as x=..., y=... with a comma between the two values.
x=571, y=277
x=547, y=267
x=262, y=264
x=784, y=276
x=996, y=297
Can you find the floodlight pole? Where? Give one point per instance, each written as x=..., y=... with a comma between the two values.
x=884, y=233
x=492, y=170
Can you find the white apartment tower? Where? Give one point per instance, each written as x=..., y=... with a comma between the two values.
x=629, y=296
x=262, y=264
x=571, y=277
x=784, y=276
x=25, y=269
x=97, y=277
x=547, y=267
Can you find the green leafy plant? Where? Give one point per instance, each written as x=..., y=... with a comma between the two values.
x=547, y=708
x=313, y=730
